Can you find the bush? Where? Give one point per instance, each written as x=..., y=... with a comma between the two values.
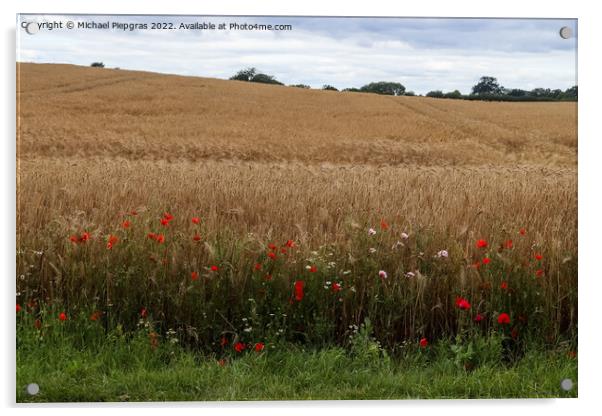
x=97, y=65
x=306, y=87
x=329, y=88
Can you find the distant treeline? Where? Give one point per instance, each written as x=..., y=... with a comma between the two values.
x=487, y=89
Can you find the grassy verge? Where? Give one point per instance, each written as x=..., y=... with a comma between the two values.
x=120, y=369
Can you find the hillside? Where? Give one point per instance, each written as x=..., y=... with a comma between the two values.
x=73, y=111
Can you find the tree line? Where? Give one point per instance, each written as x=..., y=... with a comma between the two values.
x=487, y=89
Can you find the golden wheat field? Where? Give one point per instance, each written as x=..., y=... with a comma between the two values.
x=279, y=161
x=102, y=153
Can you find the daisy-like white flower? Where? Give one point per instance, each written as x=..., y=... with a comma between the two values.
x=410, y=274
x=372, y=250
x=371, y=231
x=382, y=274
x=443, y=253
x=405, y=236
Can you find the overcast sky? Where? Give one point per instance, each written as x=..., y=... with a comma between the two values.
x=422, y=54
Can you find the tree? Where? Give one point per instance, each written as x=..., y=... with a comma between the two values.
x=97, y=65
x=329, y=87
x=244, y=74
x=571, y=92
x=487, y=85
x=454, y=94
x=352, y=89
x=385, y=88
x=435, y=94
x=265, y=79
x=306, y=87
x=516, y=92
x=410, y=93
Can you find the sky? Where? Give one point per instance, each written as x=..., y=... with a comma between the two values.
x=423, y=54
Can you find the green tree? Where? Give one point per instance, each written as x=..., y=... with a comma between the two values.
x=487, y=86
x=385, y=88
x=244, y=74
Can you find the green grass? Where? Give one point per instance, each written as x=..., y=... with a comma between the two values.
x=126, y=368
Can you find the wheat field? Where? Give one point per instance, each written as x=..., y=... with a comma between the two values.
x=261, y=163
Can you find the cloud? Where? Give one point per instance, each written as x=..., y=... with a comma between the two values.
x=423, y=54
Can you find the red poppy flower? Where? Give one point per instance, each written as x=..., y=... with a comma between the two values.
x=336, y=287
x=272, y=255
x=112, y=241
x=196, y=237
x=74, y=239
x=259, y=346
x=383, y=225
x=539, y=272
x=167, y=216
x=257, y=266
x=223, y=341
x=290, y=243
x=214, y=268
x=164, y=222
x=18, y=308
x=160, y=238
x=504, y=285
x=462, y=303
x=481, y=244
x=476, y=264
x=84, y=237
x=313, y=269
x=134, y=212
x=486, y=260
x=272, y=246
x=126, y=224
x=538, y=256
x=267, y=277
x=503, y=319
x=194, y=276
x=283, y=250
x=38, y=324
x=239, y=347
x=299, y=285
x=196, y=220
x=152, y=236
x=143, y=313
x=62, y=316
x=423, y=343
x=508, y=244
x=522, y=231
x=95, y=316
x=478, y=318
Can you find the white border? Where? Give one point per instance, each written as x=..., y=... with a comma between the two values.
x=589, y=194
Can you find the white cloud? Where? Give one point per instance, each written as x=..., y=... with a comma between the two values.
x=423, y=54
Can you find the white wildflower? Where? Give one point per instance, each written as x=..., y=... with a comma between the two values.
x=371, y=231
x=382, y=274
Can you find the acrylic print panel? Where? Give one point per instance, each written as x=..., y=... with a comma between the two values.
x=289, y=208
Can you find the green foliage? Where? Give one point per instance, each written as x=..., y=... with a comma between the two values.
x=97, y=65
x=125, y=367
x=303, y=86
x=487, y=85
x=384, y=88
x=251, y=75
x=327, y=87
